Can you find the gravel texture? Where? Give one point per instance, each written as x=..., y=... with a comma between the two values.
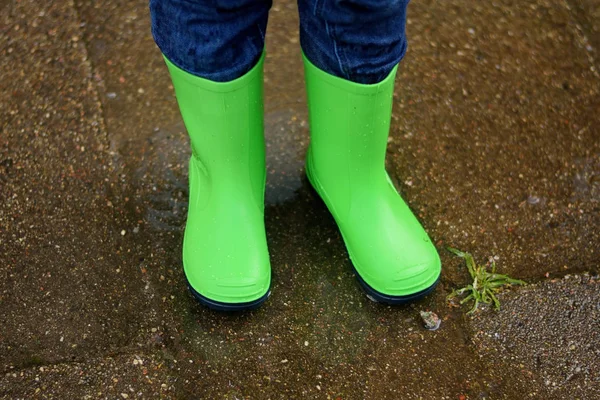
x=549, y=332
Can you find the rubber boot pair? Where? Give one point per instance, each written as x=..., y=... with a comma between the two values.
x=225, y=255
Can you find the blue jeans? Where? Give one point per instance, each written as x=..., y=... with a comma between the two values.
x=221, y=40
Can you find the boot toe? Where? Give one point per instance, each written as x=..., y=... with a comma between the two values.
x=392, y=279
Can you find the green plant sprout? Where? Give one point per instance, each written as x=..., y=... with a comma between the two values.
x=485, y=284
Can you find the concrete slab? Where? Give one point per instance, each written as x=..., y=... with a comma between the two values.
x=71, y=286
x=496, y=137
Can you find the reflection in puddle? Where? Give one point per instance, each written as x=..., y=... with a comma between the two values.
x=286, y=136
x=163, y=173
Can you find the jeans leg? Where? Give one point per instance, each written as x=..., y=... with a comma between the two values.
x=219, y=40
x=358, y=40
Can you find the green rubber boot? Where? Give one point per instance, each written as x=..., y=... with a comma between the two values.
x=394, y=258
x=225, y=256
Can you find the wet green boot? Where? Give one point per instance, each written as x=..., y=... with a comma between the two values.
x=225, y=256
x=394, y=258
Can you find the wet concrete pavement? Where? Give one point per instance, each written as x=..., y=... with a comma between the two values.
x=495, y=144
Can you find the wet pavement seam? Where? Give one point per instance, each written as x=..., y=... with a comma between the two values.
x=93, y=70
x=127, y=350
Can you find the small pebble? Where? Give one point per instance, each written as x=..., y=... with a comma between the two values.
x=430, y=320
x=533, y=199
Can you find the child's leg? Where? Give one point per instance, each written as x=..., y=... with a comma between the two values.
x=358, y=40
x=351, y=51
x=219, y=40
x=214, y=52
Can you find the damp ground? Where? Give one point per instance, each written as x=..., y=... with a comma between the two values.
x=495, y=145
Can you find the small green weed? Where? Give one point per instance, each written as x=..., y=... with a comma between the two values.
x=485, y=284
